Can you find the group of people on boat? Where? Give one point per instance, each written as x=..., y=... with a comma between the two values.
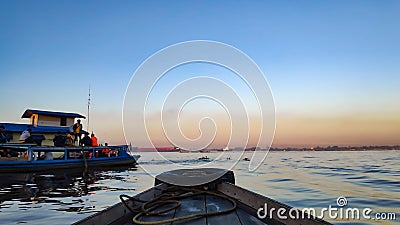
x=25, y=137
x=67, y=139
x=8, y=153
x=70, y=138
x=89, y=141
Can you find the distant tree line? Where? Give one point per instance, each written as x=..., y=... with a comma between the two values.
x=341, y=148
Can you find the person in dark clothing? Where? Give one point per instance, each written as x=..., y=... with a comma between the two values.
x=9, y=153
x=3, y=137
x=86, y=141
x=59, y=140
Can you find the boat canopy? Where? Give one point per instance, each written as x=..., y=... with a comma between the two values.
x=29, y=112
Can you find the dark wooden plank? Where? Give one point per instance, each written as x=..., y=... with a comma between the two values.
x=256, y=201
x=246, y=218
x=215, y=204
x=191, y=205
x=114, y=213
x=164, y=216
x=125, y=220
x=251, y=212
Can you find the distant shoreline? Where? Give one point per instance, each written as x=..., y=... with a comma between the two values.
x=341, y=148
x=286, y=150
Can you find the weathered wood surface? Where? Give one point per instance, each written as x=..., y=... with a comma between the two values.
x=256, y=201
x=192, y=205
x=164, y=216
x=247, y=202
x=246, y=218
x=118, y=213
x=206, y=203
x=215, y=204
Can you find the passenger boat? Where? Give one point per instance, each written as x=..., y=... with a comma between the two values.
x=28, y=158
x=197, y=196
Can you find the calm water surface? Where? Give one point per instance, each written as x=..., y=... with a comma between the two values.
x=300, y=179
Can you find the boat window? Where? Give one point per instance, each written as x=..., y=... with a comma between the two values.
x=13, y=154
x=50, y=155
x=114, y=153
x=63, y=121
x=75, y=154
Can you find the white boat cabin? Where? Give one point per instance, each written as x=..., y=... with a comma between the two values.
x=46, y=123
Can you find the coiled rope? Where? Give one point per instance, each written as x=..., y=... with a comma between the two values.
x=171, y=195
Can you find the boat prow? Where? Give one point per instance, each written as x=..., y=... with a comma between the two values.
x=195, y=196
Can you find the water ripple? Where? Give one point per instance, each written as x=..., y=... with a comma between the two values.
x=300, y=179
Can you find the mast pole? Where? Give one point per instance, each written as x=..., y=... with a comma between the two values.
x=88, y=111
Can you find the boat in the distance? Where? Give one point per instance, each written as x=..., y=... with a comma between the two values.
x=197, y=196
x=204, y=158
x=27, y=157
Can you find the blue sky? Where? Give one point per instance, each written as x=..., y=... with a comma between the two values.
x=327, y=62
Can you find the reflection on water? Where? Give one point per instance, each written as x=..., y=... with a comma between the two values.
x=46, y=186
x=300, y=179
x=59, y=191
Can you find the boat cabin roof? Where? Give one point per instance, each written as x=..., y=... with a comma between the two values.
x=29, y=112
x=17, y=127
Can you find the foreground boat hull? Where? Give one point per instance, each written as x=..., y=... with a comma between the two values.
x=33, y=166
x=220, y=195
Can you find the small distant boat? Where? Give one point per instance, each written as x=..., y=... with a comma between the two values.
x=197, y=196
x=204, y=158
x=29, y=158
x=226, y=148
x=205, y=150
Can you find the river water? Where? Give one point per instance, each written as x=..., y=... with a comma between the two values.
x=367, y=179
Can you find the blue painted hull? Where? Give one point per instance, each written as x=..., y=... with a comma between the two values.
x=40, y=165
x=26, y=158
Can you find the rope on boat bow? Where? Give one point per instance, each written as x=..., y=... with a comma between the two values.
x=171, y=196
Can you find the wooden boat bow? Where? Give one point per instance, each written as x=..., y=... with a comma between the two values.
x=213, y=198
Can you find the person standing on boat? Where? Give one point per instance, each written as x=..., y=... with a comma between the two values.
x=94, y=140
x=77, y=131
x=25, y=136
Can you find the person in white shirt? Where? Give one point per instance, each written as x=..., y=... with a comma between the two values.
x=25, y=136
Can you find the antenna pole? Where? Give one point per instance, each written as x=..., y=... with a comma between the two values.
x=88, y=111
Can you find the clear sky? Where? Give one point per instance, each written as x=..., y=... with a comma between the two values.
x=333, y=66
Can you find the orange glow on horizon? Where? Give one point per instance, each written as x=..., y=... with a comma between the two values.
x=291, y=131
